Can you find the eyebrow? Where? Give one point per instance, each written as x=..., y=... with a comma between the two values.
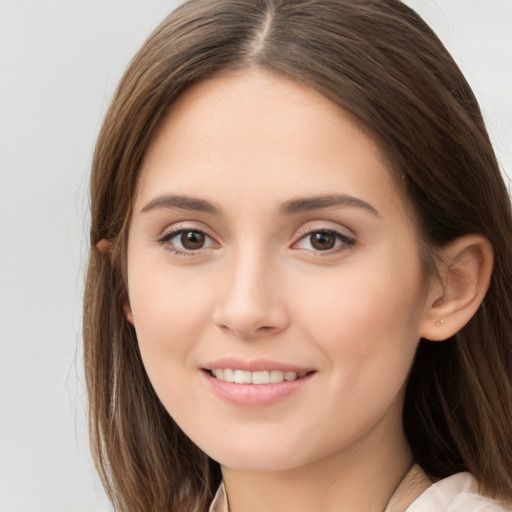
x=304, y=204
x=291, y=207
x=183, y=203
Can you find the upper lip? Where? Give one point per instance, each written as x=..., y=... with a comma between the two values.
x=257, y=365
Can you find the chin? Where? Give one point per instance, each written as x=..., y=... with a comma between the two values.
x=255, y=462
x=262, y=454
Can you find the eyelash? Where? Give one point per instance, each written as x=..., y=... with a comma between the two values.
x=166, y=239
x=342, y=241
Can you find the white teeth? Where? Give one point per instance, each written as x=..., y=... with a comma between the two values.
x=218, y=374
x=242, y=377
x=228, y=375
x=262, y=377
x=276, y=376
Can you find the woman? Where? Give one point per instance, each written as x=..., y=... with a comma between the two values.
x=298, y=295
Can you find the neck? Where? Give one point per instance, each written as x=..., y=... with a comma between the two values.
x=361, y=478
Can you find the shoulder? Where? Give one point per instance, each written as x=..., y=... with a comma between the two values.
x=457, y=493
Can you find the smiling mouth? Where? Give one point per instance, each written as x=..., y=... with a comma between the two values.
x=261, y=377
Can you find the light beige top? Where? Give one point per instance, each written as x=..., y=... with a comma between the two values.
x=457, y=493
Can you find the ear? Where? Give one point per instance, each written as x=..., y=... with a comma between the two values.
x=464, y=279
x=128, y=313
x=104, y=246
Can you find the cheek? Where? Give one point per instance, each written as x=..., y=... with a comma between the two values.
x=170, y=312
x=367, y=318
x=167, y=323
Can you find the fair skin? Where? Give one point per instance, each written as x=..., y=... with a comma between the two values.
x=267, y=234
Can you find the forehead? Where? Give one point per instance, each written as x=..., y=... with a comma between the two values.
x=256, y=132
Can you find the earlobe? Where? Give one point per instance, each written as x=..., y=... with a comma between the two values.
x=104, y=246
x=128, y=313
x=463, y=282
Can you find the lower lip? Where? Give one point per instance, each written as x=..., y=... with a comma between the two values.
x=255, y=395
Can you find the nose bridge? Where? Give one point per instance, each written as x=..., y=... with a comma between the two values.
x=250, y=302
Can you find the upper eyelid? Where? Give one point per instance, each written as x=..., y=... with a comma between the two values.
x=171, y=233
x=305, y=229
x=342, y=236
x=185, y=226
x=316, y=226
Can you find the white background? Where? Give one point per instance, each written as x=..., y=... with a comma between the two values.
x=59, y=64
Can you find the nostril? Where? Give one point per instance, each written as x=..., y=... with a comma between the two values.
x=249, y=333
x=265, y=328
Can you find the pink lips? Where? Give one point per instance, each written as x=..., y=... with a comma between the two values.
x=255, y=395
x=254, y=366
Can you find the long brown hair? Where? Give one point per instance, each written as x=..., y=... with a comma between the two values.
x=378, y=60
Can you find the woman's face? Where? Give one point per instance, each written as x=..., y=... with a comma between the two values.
x=269, y=243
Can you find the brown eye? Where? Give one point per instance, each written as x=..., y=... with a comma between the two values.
x=323, y=240
x=192, y=240
x=326, y=241
x=186, y=241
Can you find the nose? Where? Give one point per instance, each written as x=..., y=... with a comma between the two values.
x=252, y=299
